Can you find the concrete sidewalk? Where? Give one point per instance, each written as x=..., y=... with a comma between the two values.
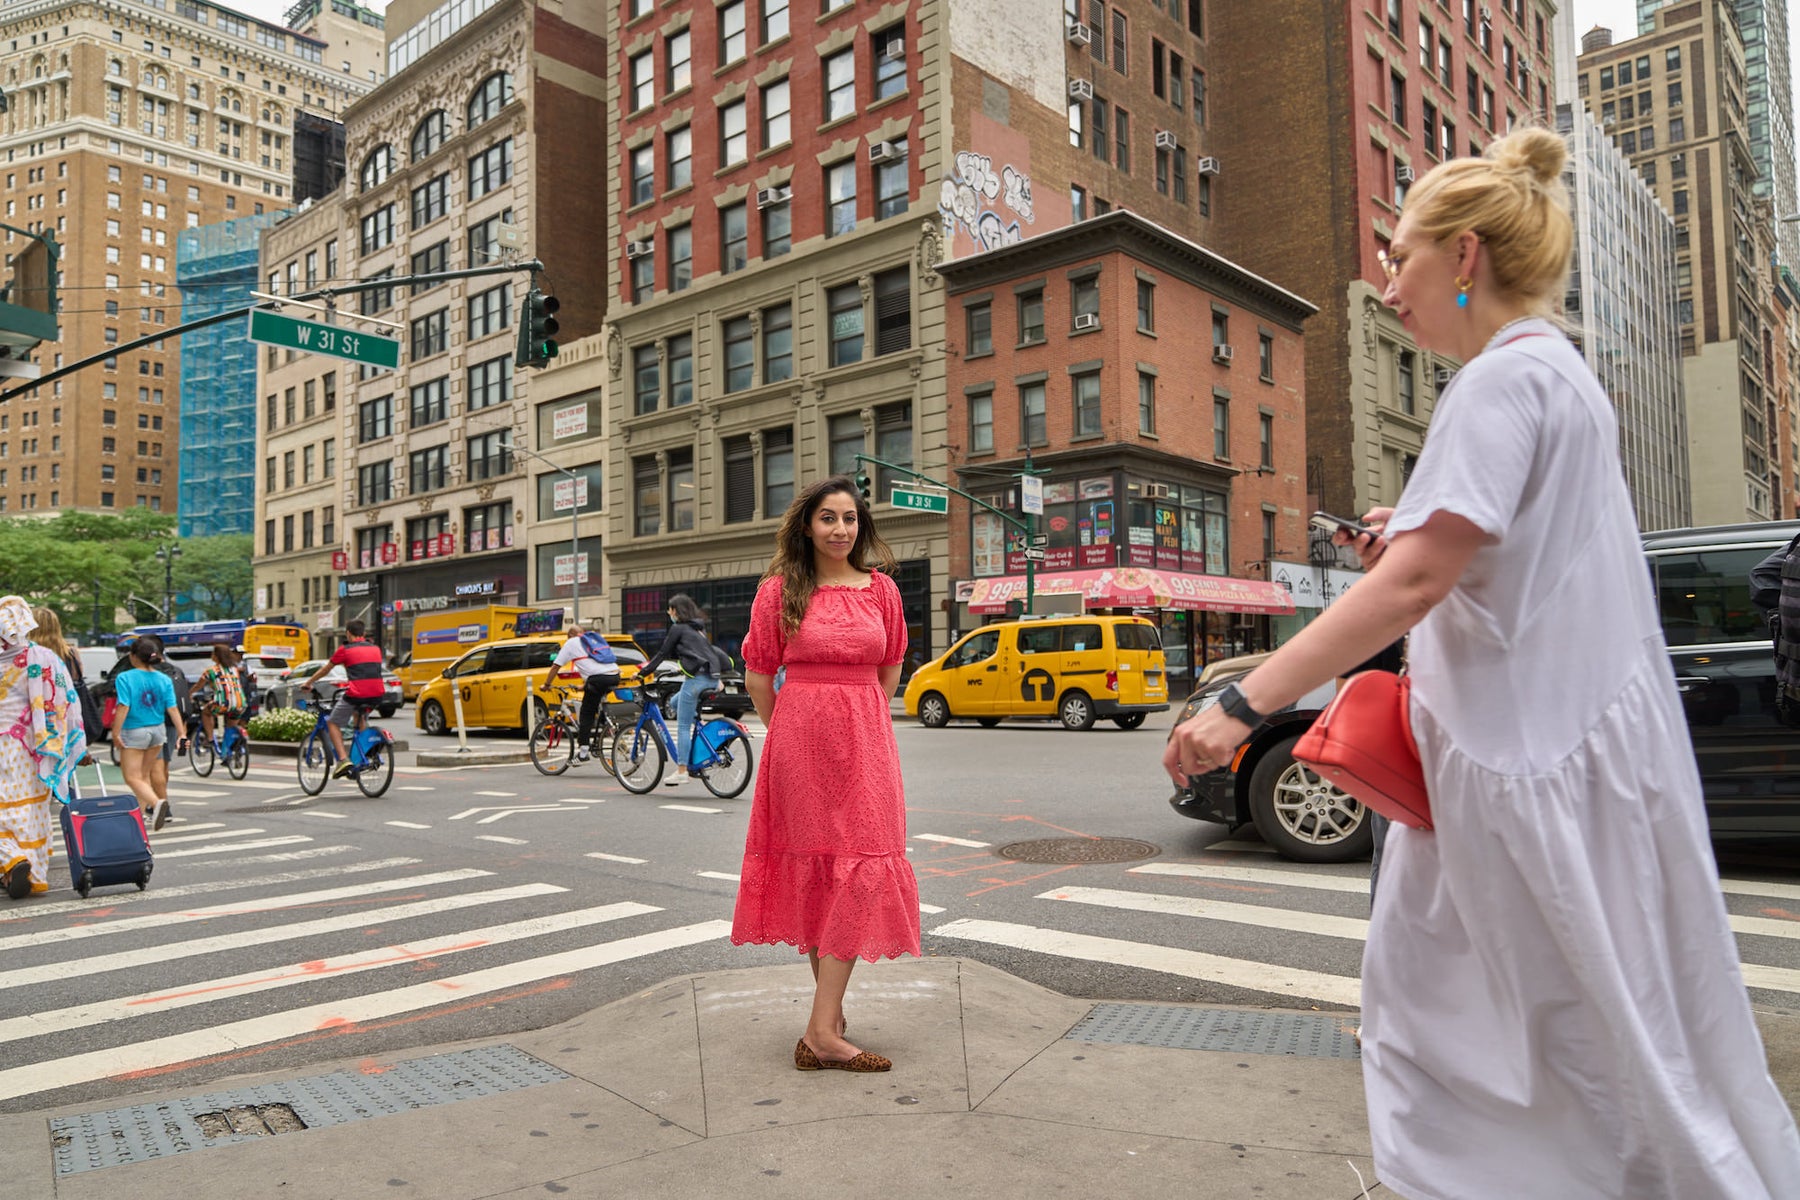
x=1000, y=1089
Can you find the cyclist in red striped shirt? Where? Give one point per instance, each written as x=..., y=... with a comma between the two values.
x=361, y=660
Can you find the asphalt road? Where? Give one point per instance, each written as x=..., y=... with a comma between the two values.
x=281, y=930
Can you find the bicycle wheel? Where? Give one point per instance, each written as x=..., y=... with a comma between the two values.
x=377, y=771
x=201, y=755
x=606, y=735
x=637, y=759
x=730, y=775
x=238, y=761
x=313, y=763
x=552, y=747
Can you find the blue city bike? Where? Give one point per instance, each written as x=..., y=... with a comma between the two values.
x=231, y=746
x=719, y=756
x=371, y=753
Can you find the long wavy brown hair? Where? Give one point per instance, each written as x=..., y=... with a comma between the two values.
x=793, y=560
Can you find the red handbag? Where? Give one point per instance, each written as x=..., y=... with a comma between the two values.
x=1363, y=743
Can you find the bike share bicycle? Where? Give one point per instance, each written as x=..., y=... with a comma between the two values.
x=555, y=742
x=720, y=755
x=371, y=752
x=233, y=745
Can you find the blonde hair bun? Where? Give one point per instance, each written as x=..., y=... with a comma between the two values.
x=1533, y=150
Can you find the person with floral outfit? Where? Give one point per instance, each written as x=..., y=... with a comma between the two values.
x=41, y=741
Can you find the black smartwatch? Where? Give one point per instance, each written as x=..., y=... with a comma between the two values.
x=1231, y=699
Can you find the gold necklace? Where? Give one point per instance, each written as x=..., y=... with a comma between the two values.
x=1503, y=329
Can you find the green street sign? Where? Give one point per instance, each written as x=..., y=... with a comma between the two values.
x=316, y=337
x=917, y=501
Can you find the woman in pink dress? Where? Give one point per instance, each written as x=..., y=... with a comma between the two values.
x=825, y=859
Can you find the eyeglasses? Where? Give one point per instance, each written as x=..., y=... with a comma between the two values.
x=1391, y=264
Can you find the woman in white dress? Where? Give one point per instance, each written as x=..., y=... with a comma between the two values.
x=1552, y=1005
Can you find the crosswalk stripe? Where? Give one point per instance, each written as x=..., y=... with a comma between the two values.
x=1190, y=964
x=1292, y=920
x=289, y=856
x=55, y=908
x=267, y=935
x=1773, y=979
x=950, y=841
x=717, y=875
x=1773, y=891
x=694, y=808
x=194, y=794
x=1274, y=877
x=271, y=785
x=618, y=858
x=258, y=1031
x=374, y=887
x=408, y=825
x=289, y=840
x=233, y=986
x=174, y=839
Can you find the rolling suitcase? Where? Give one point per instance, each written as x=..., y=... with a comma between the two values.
x=105, y=839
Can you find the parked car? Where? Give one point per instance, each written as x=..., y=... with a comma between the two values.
x=285, y=692
x=490, y=680
x=1724, y=666
x=1069, y=668
x=266, y=670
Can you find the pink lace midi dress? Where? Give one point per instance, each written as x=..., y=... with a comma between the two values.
x=825, y=856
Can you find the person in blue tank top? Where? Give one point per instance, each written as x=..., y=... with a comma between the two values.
x=146, y=700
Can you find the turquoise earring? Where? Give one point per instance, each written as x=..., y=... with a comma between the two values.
x=1463, y=284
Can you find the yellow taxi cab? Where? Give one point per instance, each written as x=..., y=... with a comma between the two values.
x=1072, y=668
x=491, y=681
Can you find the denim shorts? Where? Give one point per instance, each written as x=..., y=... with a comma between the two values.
x=148, y=737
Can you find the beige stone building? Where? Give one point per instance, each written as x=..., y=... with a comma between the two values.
x=127, y=122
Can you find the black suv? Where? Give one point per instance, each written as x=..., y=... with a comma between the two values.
x=1724, y=667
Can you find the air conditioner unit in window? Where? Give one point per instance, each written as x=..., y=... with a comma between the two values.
x=1156, y=491
x=1208, y=166
x=1086, y=321
x=894, y=51
x=1079, y=34
x=1080, y=89
x=639, y=249
x=1165, y=139
x=1487, y=14
x=770, y=197
x=1221, y=353
x=1403, y=174
x=1443, y=376
x=885, y=152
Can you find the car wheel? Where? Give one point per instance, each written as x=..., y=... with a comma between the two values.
x=987, y=722
x=934, y=711
x=1076, y=711
x=532, y=713
x=1128, y=720
x=1302, y=816
x=431, y=718
x=388, y=710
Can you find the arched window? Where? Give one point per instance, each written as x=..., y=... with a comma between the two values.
x=115, y=67
x=491, y=95
x=378, y=166
x=431, y=133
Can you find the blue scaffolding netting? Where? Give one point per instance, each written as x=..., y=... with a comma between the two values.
x=215, y=268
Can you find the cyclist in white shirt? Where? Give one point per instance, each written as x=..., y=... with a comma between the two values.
x=599, y=669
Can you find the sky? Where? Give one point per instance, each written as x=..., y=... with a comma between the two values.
x=1620, y=16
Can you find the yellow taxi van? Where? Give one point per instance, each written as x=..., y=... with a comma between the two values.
x=1075, y=669
x=491, y=680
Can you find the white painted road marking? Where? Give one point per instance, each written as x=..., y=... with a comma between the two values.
x=951, y=841
x=690, y=808
x=1292, y=920
x=408, y=825
x=289, y=856
x=315, y=812
x=506, y=795
x=290, y=840
x=719, y=875
x=1275, y=877
x=929, y=908
x=58, y=907
x=494, y=837
x=618, y=858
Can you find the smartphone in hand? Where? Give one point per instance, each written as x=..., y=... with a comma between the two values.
x=1330, y=524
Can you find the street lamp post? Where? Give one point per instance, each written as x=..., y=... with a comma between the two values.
x=574, y=527
x=167, y=554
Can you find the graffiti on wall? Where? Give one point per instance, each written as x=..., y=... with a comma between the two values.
x=986, y=204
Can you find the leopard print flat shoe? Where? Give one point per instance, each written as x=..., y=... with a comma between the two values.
x=864, y=1063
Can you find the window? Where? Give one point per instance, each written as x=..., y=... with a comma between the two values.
x=979, y=321
x=643, y=277
x=893, y=311
x=494, y=93
x=1102, y=144
x=374, y=483
x=428, y=470
x=430, y=201
x=681, y=490
x=490, y=383
x=778, y=343
x=643, y=174
x=374, y=419
x=1084, y=298
x=287, y=470
x=740, y=353
x=430, y=403
x=774, y=20
x=844, y=314
x=1146, y=403
x=740, y=480
x=421, y=534
x=1677, y=131
x=488, y=456
x=1033, y=422
x=1397, y=98
x=429, y=261
x=844, y=436
x=646, y=497
x=681, y=257
x=377, y=229
x=490, y=311
x=1120, y=40
x=1085, y=393
x=734, y=237
x=731, y=32
x=891, y=183
x=1221, y=328
x=1031, y=317
x=775, y=114
x=889, y=46
x=734, y=136
x=777, y=230
x=643, y=80
x=1221, y=427
x=840, y=197
x=778, y=471
x=1672, y=59
x=377, y=167
x=680, y=351
x=431, y=334
x=1405, y=365
x=429, y=134
x=840, y=85
x=490, y=168
x=1122, y=139
x=489, y=528
x=981, y=423
x=1265, y=358
x=1078, y=203
x=1077, y=124
x=678, y=54
x=646, y=375
x=1429, y=119
x=680, y=153
x=1680, y=202
x=1675, y=94
x=1146, y=306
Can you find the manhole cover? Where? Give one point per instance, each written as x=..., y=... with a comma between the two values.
x=1079, y=850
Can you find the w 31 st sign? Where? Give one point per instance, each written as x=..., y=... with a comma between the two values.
x=316, y=337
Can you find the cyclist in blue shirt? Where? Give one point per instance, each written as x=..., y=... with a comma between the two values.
x=146, y=699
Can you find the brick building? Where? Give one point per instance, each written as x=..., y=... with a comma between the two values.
x=1082, y=350
x=1366, y=97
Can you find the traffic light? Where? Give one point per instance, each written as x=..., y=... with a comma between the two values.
x=863, y=485
x=537, y=330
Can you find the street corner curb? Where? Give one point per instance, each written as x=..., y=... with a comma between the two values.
x=470, y=758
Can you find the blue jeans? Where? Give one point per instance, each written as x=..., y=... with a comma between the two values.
x=687, y=711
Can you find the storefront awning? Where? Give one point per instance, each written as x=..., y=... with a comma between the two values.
x=1139, y=587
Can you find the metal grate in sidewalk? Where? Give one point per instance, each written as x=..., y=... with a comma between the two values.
x=1303, y=1035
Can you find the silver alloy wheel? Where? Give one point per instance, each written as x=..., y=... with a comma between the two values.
x=1312, y=810
x=934, y=711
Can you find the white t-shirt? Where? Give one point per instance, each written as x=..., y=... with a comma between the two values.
x=574, y=652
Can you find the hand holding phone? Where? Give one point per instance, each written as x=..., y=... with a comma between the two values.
x=1352, y=529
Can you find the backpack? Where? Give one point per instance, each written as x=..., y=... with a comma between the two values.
x=599, y=649
x=722, y=661
x=1785, y=623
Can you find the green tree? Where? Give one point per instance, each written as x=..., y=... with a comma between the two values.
x=57, y=562
x=214, y=573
